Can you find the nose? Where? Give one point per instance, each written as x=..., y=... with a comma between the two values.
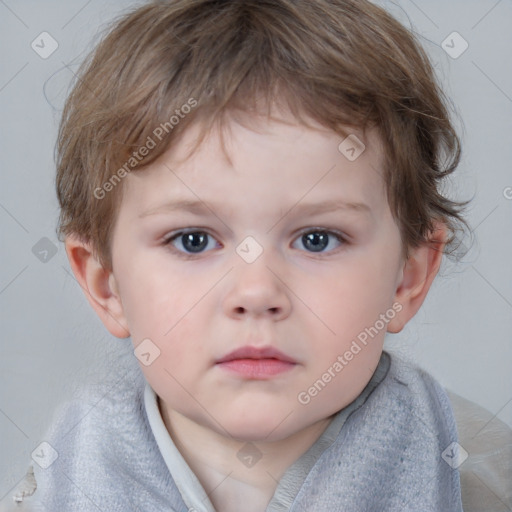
x=257, y=290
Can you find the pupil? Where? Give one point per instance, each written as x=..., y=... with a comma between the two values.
x=194, y=242
x=315, y=241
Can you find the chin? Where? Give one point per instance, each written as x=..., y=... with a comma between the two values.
x=257, y=426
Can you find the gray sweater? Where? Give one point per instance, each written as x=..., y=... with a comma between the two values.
x=381, y=453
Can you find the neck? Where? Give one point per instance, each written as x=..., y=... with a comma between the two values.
x=232, y=471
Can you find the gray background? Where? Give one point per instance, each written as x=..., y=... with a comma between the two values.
x=52, y=340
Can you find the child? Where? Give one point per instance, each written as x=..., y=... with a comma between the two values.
x=250, y=190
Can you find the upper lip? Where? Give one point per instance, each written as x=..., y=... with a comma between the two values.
x=250, y=352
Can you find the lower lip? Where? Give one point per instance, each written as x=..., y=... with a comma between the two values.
x=257, y=368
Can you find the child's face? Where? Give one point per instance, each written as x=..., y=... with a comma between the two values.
x=282, y=184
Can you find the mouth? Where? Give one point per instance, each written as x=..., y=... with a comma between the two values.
x=256, y=363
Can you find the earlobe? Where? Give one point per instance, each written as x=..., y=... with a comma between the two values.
x=99, y=286
x=417, y=275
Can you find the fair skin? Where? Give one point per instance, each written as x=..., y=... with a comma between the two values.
x=308, y=301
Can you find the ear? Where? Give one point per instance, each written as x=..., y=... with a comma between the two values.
x=98, y=285
x=416, y=277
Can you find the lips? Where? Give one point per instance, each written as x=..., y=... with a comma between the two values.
x=253, y=363
x=249, y=352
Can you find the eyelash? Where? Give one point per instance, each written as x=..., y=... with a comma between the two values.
x=167, y=241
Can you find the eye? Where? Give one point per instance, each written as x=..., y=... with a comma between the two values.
x=196, y=242
x=318, y=240
x=191, y=242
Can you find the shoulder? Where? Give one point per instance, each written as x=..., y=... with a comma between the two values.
x=100, y=441
x=407, y=418
x=403, y=438
x=418, y=393
x=410, y=414
x=388, y=455
x=102, y=408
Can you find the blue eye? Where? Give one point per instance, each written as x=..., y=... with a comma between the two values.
x=193, y=242
x=318, y=240
x=190, y=243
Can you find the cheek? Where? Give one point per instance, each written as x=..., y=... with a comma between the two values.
x=182, y=346
x=354, y=298
x=165, y=308
x=154, y=297
x=186, y=342
x=351, y=340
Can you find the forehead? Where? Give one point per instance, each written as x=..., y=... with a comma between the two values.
x=272, y=158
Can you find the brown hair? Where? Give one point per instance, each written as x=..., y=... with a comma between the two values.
x=342, y=63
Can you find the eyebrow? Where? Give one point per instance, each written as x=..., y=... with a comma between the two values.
x=330, y=206
x=203, y=208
